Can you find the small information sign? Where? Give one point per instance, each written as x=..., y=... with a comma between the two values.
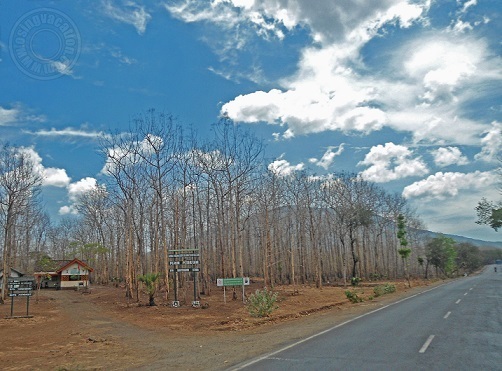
x=236, y=281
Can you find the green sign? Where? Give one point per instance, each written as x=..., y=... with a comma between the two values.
x=238, y=281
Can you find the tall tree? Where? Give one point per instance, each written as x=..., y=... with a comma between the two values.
x=403, y=251
x=18, y=188
x=489, y=213
x=441, y=253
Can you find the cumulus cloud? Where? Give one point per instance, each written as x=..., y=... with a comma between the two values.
x=391, y=162
x=449, y=156
x=133, y=14
x=328, y=157
x=50, y=176
x=75, y=190
x=491, y=144
x=325, y=100
x=85, y=185
x=443, y=185
x=282, y=167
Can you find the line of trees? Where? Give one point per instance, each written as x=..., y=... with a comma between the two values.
x=164, y=190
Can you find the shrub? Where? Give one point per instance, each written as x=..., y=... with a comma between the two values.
x=384, y=289
x=355, y=281
x=262, y=303
x=353, y=297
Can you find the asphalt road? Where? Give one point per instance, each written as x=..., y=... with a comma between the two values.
x=455, y=326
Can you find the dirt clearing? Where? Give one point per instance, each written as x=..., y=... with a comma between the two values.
x=103, y=331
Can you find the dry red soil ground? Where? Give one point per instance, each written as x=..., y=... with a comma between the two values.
x=102, y=330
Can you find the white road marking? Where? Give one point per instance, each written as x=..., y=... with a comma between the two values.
x=426, y=344
x=447, y=315
x=458, y=301
x=470, y=289
x=465, y=294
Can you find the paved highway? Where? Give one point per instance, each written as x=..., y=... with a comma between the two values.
x=455, y=326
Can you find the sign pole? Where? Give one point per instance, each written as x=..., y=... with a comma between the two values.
x=12, y=306
x=175, y=285
x=194, y=287
x=28, y=305
x=224, y=295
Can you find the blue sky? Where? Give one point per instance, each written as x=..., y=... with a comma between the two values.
x=406, y=93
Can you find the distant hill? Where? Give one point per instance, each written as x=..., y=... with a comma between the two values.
x=460, y=239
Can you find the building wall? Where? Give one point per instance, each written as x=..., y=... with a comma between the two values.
x=74, y=276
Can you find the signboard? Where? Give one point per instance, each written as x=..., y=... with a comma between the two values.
x=20, y=286
x=184, y=260
x=238, y=281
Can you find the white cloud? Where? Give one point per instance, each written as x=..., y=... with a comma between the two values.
x=391, y=162
x=491, y=144
x=324, y=99
x=131, y=153
x=328, y=157
x=66, y=210
x=282, y=167
x=467, y=4
x=124, y=59
x=18, y=113
x=50, y=176
x=75, y=190
x=449, y=156
x=328, y=21
x=67, y=132
x=63, y=68
x=133, y=14
x=83, y=186
x=55, y=177
x=8, y=116
x=456, y=214
x=461, y=26
x=442, y=65
x=445, y=185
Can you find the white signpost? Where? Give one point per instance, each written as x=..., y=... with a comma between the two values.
x=237, y=281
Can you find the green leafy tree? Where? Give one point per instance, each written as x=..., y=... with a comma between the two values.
x=489, y=213
x=403, y=251
x=468, y=257
x=441, y=253
x=150, y=280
